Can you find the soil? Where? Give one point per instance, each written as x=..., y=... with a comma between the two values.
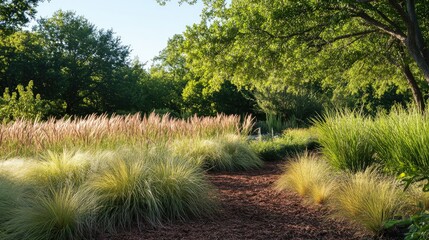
x=252, y=209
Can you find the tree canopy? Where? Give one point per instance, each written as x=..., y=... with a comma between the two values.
x=15, y=13
x=346, y=46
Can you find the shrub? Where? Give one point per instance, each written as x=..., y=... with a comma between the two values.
x=309, y=176
x=345, y=140
x=368, y=199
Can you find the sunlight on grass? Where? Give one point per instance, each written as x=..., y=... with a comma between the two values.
x=309, y=176
x=368, y=199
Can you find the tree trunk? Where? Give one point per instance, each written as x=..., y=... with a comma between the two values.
x=415, y=43
x=417, y=94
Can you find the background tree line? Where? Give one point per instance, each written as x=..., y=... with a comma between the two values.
x=290, y=59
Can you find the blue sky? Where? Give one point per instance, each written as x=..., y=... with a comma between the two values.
x=142, y=24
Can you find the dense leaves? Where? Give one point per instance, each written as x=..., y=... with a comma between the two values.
x=14, y=13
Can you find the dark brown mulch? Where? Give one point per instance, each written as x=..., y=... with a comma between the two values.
x=251, y=209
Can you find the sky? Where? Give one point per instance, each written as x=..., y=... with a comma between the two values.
x=143, y=25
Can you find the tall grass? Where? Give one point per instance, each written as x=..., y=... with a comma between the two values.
x=368, y=199
x=24, y=138
x=345, y=138
x=401, y=139
x=309, y=176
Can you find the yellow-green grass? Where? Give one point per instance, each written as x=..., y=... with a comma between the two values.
x=309, y=176
x=368, y=199
x=223, y=153
x=58, y=169
x=71, y=194
x=64, y=213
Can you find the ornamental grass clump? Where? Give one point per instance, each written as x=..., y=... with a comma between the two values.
x=10, y=195
x=66, y=213
x=148, y=186
x=180, y=188
x=310, y=177
x=401, y=141
x=58, y=169
x=225, y=153
x=345, y=139
x=242, y=155
x=368, y=199
x=123, y=192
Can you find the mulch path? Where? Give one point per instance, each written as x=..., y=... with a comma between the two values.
x=251, y=209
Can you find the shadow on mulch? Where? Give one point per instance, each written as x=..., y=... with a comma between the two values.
x=251, y=209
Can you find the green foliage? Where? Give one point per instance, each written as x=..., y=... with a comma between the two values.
x=345, y=139
x=400, y=140
x=297, y=106
x=291, y=142
x=419, y=228
x=15, y=13
x=22, y=104
x=200, y=98
x=87, y=68
x=335, y=49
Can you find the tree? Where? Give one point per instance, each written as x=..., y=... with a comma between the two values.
x=191, y=93
x=15, y=13
x=267, y=40
x=86, y=67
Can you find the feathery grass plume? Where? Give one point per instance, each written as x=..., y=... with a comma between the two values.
x=309, y=176
x=58, y=169
x=368, y=199
x=25, y=138
x=64, y=213
x=124, y=193
x=180, y=188
x=346, y=140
